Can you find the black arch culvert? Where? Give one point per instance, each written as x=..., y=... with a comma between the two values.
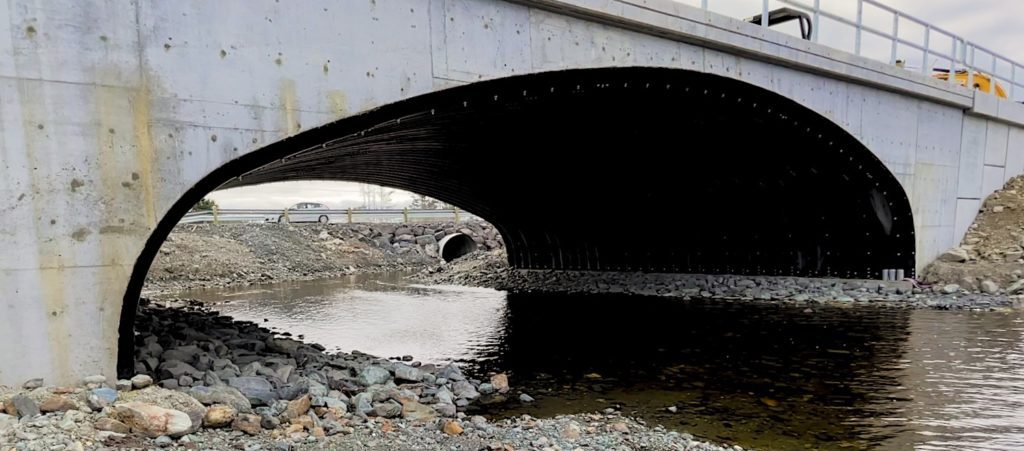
x=636, y=169
x=639, y=169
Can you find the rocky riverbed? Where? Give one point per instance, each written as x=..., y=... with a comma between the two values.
x=205, y=381
x=490, y=269
x=207, y=255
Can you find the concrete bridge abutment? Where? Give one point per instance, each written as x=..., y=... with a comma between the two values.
x=115, y=119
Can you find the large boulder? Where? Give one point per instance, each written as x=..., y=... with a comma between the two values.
x=414, y=411
x=112, y=425
x=500, y=382
x=293, y=391
x=387, y=409
x=361, y=403
x=182, y=353
x=408, y=373
x=22, y=406
x=225, y=364
x=297, y=407
x=445, y=410
x=175, y=369
x=99, y=398
x=211, y=379
x=445, y=396
x=257, y=389
x=374, y=375
x=219, y=416
x=464, y=389
x=452, y=373
x=57, y=403
x=221, y=394
x=989, y=287
x=248, y=423
x=954, y=255
x=282, y=345
x=169, y=399
x=153, y=421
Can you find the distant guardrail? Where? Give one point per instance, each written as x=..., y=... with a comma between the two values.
x=349, y=216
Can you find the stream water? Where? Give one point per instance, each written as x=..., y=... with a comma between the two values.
x=758, y=375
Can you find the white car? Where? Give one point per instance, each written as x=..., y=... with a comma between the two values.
x=306, y=212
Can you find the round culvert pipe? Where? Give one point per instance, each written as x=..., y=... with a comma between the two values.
x=456, y=245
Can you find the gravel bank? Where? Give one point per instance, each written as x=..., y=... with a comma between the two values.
x=206, y=255
x=991, y=257
x=491, y=270
x=207, y=382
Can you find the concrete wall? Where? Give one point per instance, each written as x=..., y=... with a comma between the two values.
x=991, y=152
x=109, y=111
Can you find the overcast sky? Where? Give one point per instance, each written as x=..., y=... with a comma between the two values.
x=994, y=24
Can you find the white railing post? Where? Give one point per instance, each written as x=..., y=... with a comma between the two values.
x=764, y=13
x=704, y=4
x=992, y=77
x=963, y=57
x=817, y=20
x=952, y=61
x=970, y=64
x=860, y=24
x=1013, y=79
x=927, y=38
x=895, y=37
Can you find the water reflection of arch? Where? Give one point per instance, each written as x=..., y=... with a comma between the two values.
x=827, y=369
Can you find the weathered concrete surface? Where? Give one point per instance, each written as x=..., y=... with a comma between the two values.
x=110, y=111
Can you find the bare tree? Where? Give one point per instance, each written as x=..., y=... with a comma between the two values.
x=376, y=197
x=384, y=197
x=366, y=191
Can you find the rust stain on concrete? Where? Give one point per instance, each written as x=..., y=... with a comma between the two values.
x=289, y=101
x=131, y=229
x=144, y=150
x=339, y=103
x=48, y=245
x=81, y=234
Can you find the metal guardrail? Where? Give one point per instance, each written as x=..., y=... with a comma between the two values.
x=348, y=216
x=961, y=55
